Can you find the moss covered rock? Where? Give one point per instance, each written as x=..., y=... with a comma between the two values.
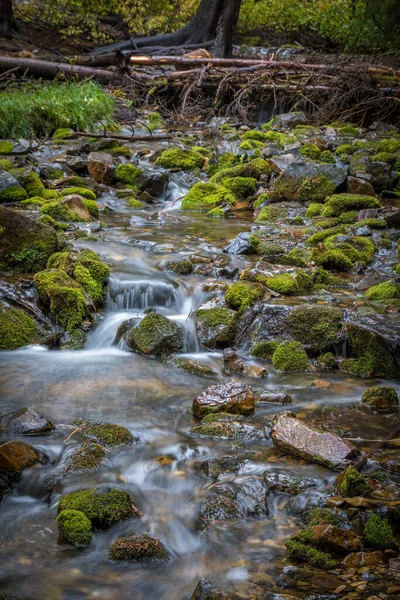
x=379, y=534
x=25, y=244
x=310, y=151
x=380, y=397
x=264, y=350
x=241, y=187
x=384, y=291
x=316, y=327
x=75, y=527
x=183, y=160
x=102, y=506
x=205, y=196
x=290, y=356
x=182, y=267
x=350, y=483
x=215, y=326
x=86, y=458
x=129, y=175
x=341, y=203
x=374, y=354
x=298, y=547
x=254, y=169
x=17, y=329
x=240, y=295
x=107, y=434
x=138, y=548
x=31, y=182
x=157, y=335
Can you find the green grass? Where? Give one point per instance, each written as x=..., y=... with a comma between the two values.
x=40, y=108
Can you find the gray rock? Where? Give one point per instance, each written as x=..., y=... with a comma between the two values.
x=278, y=397
x=240, y=245
x=215, y=324
x=355, y=185
x=100, y=167
x=326, y=448
x=297, y=170
x=288, y=484
x=154, y=183
x=25, y=421
x=289, y=120
x=383, y=178
x=10, y=189
x=156, y=335
x=364, y=231
x=205, y=590
x=367, y=213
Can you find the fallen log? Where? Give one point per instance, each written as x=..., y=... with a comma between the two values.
x=46, y=68
x=121, y=136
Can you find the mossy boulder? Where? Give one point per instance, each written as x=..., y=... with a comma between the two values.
x=241, y=187
x=375, y=354
x=102, y=506
x=215, y=326
x=81, y=191
x=16, y=456
x=10, y=189
x=341, y=203
x=379, y=534
x=182, y=160
x=264, y=350
x=71, y=208
x=316, y=327
x=18, y=329
x=156, y=335
x=129, y=175
x=88, y=457
x=25, y=244
x=182, y=267
x=241, y=295
x=288, y=285
x=298, y=547
x=107, y=434
x=271, y=213
x=137, y=548
x=381, y=397
x=314, y=210
x=384, y=291
x=310, y=151
x=205, y=196
x=254, y=169
x=31, y=182
x=75, y=527
x=62, y=296
x=341, y=252
x=290, y=356
x=298, y=186
x=350, y=483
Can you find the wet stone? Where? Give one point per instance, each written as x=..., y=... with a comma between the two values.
x=205, y=590
x=214, y=467
x=278, y=397
x=25, y=421
x=231, y=397
x=16, y=456
x=221, y=506
x=240, y=245
x=289, y=484
x=138, y=548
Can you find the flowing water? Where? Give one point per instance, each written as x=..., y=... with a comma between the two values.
x=106, y=382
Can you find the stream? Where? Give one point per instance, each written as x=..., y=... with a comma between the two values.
x=106, y=382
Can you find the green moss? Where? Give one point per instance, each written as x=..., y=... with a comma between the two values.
x=339, y=203
x=156, y=334
x=135, y=204
x=216, y=213
x=241, y=187
x=348, y=130
x=381, y=397
x=92, y=287
x=322, y=516
x=389, y=145
x=6, y=147
x=327, y=157
x=86, y=268
x=63, y=296
x=129, y=174
x=92, y=207
x=271, y=213
x=356, y=248
x=13, y=193
x=378, y=534
x=386, y=157
x=108, y=434
x=351, y=483
x=348, y=218
x=87, y=458
x=205, y=196
x=316, y=326
x=226, y=160
x=6, y=165
x=103, y=507
x=251, y=169
x=17, y=329
x=373, y=223
x=384, y=291
x=313, y=210
x=183, y=267
x=53, y=173
x=62, y=133
x=121, y=151
x=332, y=259
x=240, y=295
x=310, y=151
x=75, y=527
x=261, y=165
x=137, y=549
x=84, y=192
x=32, y=183
x=284, y=284
x=59, y=212
x=264, y=350
x=321, y=277
x=314, y=557
x=345, y=149
x=251, y=145
x=47, y=220
x=290, y=356
x=374, y=358
x=315, y=189
x=327, y=360
x=185, y=160
x=297, y=220
x=50, y=194
x=296, y=257
x=35, y=201
x=255, y=135
x=194, y=367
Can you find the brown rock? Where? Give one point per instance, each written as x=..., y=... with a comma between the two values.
x=337, y=539
x=256, y=371
x=75, y=203
x=232, y=363
x=363, y=559
x=273, y=396
x=231, y=397
x=356, y=185
x=25, y=421
x=294, y=436
x=100, y=167
x=16, y=455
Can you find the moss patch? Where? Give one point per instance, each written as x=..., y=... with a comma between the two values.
x=317, y=327
x=103, y=507
x=241, y=295
x=177, y=158
x=381, y=397
x=378, y=534
x=290, y=356
x=351, y=483
x=17, y=329
x=205, y=196
x=264, y=350
x=340, y=203
x=87, y=458
x=75, y=527
x=108, y=434
x=157, y=335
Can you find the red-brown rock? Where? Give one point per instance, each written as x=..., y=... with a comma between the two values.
x=231, y=397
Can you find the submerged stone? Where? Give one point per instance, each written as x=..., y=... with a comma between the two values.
x=325, y=448
x=231, y=397
x=108, y=434
x=25, y=421
x=138, y=548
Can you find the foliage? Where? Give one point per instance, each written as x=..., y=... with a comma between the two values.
x=40, y=109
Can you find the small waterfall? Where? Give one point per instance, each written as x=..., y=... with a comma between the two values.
x=141, y=294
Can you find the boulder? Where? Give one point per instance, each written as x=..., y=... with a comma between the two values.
x=102, y=506
x=336, y=540
x=25, y=421
x=355, y=185
x=10, y=189
x=154, y=183
x=380, y=397
x=240, y=245
x=75, y=203
x=289, y=120
x=382, y=176
x=232, y=362
x=205, y=590
x=318, y=328
x=326, y=448
x=156, y=335
x=16, y=456
x=233, y=397
x=138, y=548
x=280, y=397
x=25, y=244
x=100, y=167
x=215, y=325
x=297, y=170
x=288, y=484
x=214, y=467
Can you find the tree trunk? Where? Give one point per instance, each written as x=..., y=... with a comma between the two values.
x=214, y=20
x=6, y=18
